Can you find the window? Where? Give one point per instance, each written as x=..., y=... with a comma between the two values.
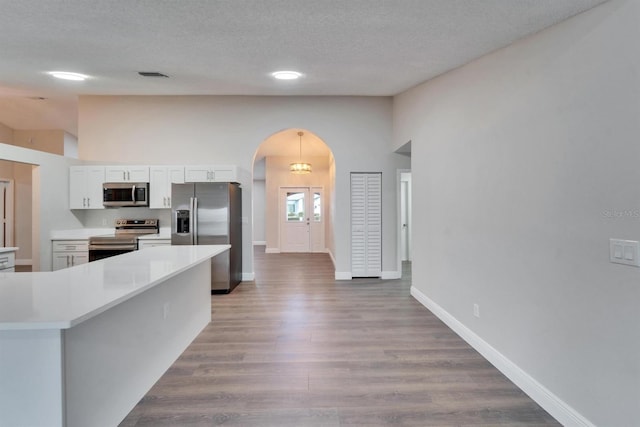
x=295, y=207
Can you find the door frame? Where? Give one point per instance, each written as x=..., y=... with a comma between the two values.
x=399, y=173
x=9, y=209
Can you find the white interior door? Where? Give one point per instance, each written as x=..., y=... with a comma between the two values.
x=295, y=220
x=366, y=224
x=404, y=220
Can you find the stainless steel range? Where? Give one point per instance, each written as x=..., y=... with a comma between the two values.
x=125, y=238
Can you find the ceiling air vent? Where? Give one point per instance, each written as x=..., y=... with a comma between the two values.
x=151, y=74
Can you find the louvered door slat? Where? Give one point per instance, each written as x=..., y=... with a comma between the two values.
x=366, y=224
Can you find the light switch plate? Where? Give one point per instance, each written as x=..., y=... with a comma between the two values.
x=624, y=252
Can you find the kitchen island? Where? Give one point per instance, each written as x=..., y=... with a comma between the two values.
x=81, y=346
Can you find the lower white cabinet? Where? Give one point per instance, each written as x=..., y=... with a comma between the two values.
x=7, y=262
x=67, y=253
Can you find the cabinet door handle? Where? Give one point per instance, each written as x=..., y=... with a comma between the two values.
x=88, y=202
x=67, y=260
x=168, y=202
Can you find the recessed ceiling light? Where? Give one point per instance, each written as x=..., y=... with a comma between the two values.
x=286, y=75
x=65, y=75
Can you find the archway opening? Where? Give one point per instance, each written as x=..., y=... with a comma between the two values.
x=293, y=212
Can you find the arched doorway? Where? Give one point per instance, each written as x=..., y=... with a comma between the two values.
x=293, y=212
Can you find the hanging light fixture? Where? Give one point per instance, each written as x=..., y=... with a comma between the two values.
x=300, y=167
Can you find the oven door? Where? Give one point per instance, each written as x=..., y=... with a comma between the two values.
x=97, y=252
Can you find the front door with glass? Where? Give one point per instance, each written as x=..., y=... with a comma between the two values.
x=301, y=219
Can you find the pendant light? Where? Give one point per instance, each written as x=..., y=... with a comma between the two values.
x=300, y=167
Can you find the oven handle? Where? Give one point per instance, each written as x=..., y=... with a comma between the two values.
x=111, y=247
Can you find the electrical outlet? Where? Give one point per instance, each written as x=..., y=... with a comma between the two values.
x=104, y=221
x=476, y=310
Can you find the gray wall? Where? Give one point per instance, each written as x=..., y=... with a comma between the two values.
x=229, y=130
x=526, y=162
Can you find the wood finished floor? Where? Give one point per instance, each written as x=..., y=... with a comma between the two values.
x=297, y=348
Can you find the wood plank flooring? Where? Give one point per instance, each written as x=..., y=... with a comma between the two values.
x=296, y=348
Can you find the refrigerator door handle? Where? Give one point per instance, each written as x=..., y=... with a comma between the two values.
x=194, y=219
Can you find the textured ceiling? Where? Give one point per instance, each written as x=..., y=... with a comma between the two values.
x=343, y=47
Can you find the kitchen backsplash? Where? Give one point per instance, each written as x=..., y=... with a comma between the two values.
x=106, y=217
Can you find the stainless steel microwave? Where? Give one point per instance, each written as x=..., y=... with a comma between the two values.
x=121, y=194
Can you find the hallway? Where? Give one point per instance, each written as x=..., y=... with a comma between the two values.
x=296, y=348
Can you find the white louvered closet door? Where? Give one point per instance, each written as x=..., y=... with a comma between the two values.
x=366, y=224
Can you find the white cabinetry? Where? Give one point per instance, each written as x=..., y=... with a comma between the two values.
x=210, y=173
x=161, y=178
x=85, y=187
x=67, y=253
x=127, y=173
x=7, y=261
x=149, y=243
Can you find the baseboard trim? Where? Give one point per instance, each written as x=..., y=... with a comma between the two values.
x=24, y=262
x=272, y=251
x=259, y=243
x=561, y=411
x=391, y=275
x=343, y=275
x=248, y=277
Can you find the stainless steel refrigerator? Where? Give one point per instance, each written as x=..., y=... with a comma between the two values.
x=210, y=213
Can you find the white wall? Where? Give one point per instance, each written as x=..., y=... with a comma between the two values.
x=259, y=175
x=259, y=211
x=6, y=134
x=229, y=129
x=50, y=198
x=70, y=145
x=49, y=140
x=526, y=162
x=23, y=192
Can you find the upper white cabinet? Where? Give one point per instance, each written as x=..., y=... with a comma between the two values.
x=127, y=173
x=210, y=173
x=85, y=187
x=161, y=178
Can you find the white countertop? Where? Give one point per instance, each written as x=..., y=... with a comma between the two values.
x=64, y=298
x=8, y=249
